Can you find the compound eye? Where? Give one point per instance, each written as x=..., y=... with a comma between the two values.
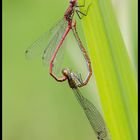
x=65, y=72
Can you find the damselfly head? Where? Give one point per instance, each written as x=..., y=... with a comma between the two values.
x=73, y=2
x=66, y=72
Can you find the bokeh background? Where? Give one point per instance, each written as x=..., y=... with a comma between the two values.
x=35, y=106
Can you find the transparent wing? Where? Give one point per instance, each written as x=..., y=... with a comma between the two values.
x=46, y=44
x=49, y=50
x=95, y=118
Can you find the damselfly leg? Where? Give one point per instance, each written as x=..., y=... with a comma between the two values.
x=79, y=13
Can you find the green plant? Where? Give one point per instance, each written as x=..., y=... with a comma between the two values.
x=113, y=71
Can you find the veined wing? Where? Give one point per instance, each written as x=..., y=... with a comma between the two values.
x=53, y=42
x=46, y=44
x=95, y=118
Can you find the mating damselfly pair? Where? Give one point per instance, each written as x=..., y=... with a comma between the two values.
x=52, y=42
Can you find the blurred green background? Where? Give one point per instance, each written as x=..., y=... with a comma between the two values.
x=35, y=106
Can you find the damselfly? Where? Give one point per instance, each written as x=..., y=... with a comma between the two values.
x=94, y=116
x=52, y=41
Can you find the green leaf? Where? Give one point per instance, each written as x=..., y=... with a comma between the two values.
x=113, y=71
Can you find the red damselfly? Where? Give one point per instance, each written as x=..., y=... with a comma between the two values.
x=94, y=116
x=52, y=41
